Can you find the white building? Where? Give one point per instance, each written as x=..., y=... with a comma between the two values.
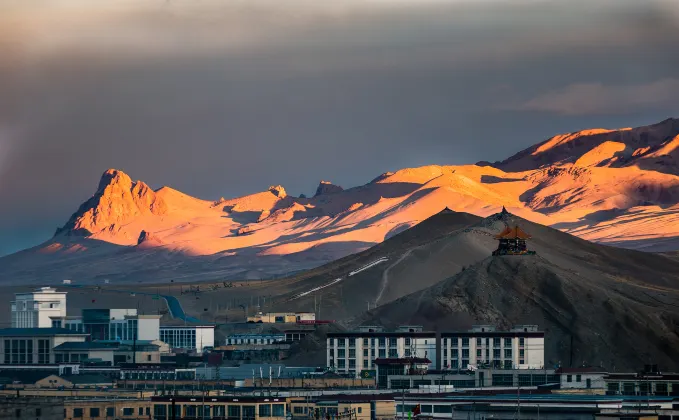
x=189, y=337
x=33, y=346
x=112, y=324
x=582, y=378
x=34, y=309
x=523, y=347
x=353, y=352
x=254, y=339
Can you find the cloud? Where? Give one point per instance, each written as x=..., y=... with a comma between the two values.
x=601, y=99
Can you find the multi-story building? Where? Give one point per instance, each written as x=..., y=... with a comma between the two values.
x=254, y=339
x=34, y=346
x=281, y=317
x=523, y=347
x=353, y=352
x=34, y=309
x=189, y=337
x=112, y=324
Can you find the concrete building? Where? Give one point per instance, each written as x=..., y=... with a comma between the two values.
x=112, y=324
x=109, y=353
x=523, y=347
x=281, y=317
x=645, y=383
x=251, y=339
x=34, y=309
x=353, y=352
x=189, y=337
x=582, y=378
x=34, y=346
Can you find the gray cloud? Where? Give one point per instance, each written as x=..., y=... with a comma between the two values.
x=597, y=98
x=225, y=98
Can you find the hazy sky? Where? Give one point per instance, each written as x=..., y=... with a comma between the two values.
x=226, y=97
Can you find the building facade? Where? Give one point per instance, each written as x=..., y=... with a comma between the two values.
x=34, y=346
x=189, y=337
x=34, y=309
x=254, y=339
x=353, y=352
x=112, y=324
x=523, y=347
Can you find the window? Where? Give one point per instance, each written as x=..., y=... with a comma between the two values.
x=352, y=342
x=278, y=410
x=352, y=363
x=508, y=353
x=365, y=352
x=407, y=341
x=392, y=342
x=521, y=353
x=17, y=412
x=127, y=411
x=496, y=354
x=478, y=353
x=43, y=352
x=38, y=412
x=454, y=353
x=465, y=342
x=365, y=341
x=521, y=341
x=233, y=411
x=578, y=378
x=465, y=353
x=148, y=357
x=407, y=352
x=148, y=411
x=382, y=353
x=341, y=364
x=382, y=341
x=508, y=342
x=478, y=341
x=110, y=411
x=94, y=412
x=341, y=342
x=352, y=353
x=265, y=410
x=569, y=378
x=341, y=353
x=393, y=353
x=360, y=410
x=141, y=411
x=77, y=412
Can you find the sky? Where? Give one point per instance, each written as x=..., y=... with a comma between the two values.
x=225, y=98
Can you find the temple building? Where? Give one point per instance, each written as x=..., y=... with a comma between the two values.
x=512, y=241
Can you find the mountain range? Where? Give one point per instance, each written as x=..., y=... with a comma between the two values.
x=616, y=187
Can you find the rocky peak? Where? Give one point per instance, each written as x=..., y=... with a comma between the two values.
x=278, y=191
x=117, y=200
x=327, y=187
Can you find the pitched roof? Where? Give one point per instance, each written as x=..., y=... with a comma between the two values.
x=24, y=332
x=512, y=233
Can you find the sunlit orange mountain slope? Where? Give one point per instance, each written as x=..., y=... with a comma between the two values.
x=617, y=187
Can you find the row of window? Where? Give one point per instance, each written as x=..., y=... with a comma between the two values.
x=95, y=412
x=161, y=411
x=20, y=351
x=179, y=338
x=496, y=342
x=497, y=353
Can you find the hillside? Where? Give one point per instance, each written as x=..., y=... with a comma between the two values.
x=610, y=301
x=617, y=187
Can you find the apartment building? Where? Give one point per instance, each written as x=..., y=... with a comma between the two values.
x=522, y=347
x=354, y=352
x=34, y=309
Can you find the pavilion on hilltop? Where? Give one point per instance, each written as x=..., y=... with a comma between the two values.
x=512, y=241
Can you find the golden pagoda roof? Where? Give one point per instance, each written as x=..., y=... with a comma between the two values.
x=512, y=233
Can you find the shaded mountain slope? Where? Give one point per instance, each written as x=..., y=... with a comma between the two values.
x=615, y=302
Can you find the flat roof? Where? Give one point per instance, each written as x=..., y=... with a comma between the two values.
x=491, y=334
x=27, y=332
x=192, y=326
x=366, y=334
x=199, y=399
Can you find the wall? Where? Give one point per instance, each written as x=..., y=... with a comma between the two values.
x=205, y=337
x=597, y=380
x=148, y=327
x=310, y=383
x=32, y=408
x=118, y=407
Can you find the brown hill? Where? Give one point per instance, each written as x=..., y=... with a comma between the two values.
x=619, y=307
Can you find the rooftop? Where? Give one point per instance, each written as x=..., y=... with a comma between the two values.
x=512, y=233
x=27, y=332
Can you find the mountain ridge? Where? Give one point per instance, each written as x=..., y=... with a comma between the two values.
x=618, y=187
